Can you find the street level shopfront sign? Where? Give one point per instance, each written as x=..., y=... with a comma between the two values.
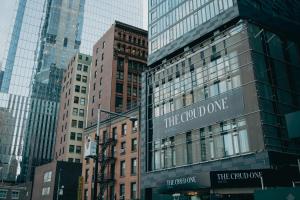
x=192, y=182
x=243, y=178
x=181, y=181
x=200, y=114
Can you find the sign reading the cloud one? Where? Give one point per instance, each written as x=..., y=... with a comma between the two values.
x=200, y=114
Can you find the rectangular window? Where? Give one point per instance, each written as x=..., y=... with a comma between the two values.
x=122, y=168
x=84, y=79
x=78, y=77
x=3, y=194
x=85, y=68
x=122, y=191
x=79, y=136
x=123, y=146
x=75, y=111
x=134, y=144
x=14, y=194
x=74, y=123
x=119, y=88
x=45, y=191
x=80, y=124
x=72, y=136
x=133, y=190
x=76, y=100
x=81, y=112
x=83, y=90
x=78, y=149
x=115, y=133
x=47, y=176
x=71, y=148
x=124, y=129
x=65, y=42
x=82, y=101
x=79, y=67
x=77, y=88
x=133, y=166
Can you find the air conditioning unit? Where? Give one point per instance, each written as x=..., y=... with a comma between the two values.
x=89, y=147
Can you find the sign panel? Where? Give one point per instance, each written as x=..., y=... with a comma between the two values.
x=89, y=147
x=200, y=114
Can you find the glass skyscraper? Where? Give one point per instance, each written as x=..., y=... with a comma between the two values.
x=43, y=37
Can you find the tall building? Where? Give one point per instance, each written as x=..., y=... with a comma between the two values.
x=119, y=170
x=223, y=76
x=73, y=109
x=43, y=38
x=119, y=58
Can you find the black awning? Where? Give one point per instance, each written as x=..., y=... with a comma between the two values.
x=189, y=187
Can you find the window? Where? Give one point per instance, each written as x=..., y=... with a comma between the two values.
x=133, y=190
x=74, y=123
x=78, y=77
x=80, y=124
x=134, y=144
x=133, y=166
x=47, y=176
x=119, y=88
x=71, y=148
x=122, y=191
x=3, y=194
x=123, y=146
x=115, y=133
x=79, y=67
x=65, y=42
x=102, y=56
x=124, y=129
x=78, y=149
x=122, y=168
x=82, y=101
x=79, y=136
x=14, y=194
x=77, y=160
x=120, y=75
x=76, y=99
x=75, y=111
x=72, y=136
x=83, y=90
x=84, y=79
x=70, y=159
x=45, y=191
x=77, y=88
x=81, y=112
x=85, y=68
x=103, y=44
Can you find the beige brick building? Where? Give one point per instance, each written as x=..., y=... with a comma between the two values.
x=73, y=109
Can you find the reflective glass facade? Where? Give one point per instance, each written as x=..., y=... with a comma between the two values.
x=43, y=37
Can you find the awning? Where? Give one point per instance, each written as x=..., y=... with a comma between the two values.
x=189, y=187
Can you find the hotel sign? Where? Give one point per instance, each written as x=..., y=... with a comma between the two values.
x=200, y=114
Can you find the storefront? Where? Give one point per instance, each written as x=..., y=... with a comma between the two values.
x=221, y=185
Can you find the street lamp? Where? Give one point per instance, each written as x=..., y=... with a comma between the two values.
x=132, y=119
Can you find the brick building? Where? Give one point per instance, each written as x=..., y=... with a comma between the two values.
x=118, y=159
x=119, y=57
x=74, y=95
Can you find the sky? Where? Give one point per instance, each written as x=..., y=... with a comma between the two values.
x=6, y=15
x=6, y=12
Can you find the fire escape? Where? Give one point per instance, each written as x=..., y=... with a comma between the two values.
x=106, y=176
